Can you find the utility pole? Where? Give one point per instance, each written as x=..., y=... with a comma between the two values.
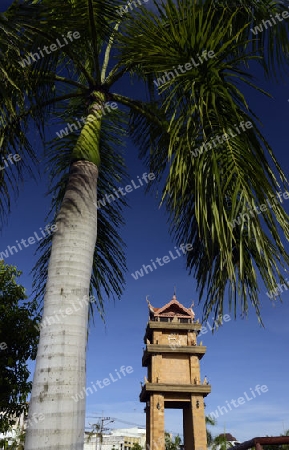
x=100, y=427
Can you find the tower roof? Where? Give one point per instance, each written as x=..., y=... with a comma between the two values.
x=172, y=309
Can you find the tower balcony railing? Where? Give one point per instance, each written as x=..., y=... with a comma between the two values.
x=172, y=319
x=179, y=388
x=154, y=349
x=173, y=326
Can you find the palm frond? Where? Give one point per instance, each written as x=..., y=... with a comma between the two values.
x=272, y=40
x=198, y=105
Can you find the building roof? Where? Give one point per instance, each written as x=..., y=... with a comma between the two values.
x=171, y=309
x=128, y=431
x=228, y=436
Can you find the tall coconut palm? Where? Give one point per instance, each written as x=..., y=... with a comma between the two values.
x=75, y=84
x=76, y=189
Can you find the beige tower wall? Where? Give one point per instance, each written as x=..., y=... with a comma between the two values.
x=177, y=338
x=174, y=369
x=195, y=434
x=156, y=419
x=199, y=423
x=156, y=366
x=195, y=369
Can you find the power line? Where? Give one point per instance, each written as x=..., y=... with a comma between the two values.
x=115, y=419
x=129, y=423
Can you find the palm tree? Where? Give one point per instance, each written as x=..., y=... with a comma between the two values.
x=97, y=431
x=220, y=443
x=172, y=444
x=212, y=422
x=77, y=83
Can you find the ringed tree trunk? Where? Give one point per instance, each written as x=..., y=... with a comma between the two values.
x=57, y=414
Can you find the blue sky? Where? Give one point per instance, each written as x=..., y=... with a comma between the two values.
x=240, y=355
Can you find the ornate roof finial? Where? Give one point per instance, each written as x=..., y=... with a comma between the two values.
x=149, y=304
x=175, y=292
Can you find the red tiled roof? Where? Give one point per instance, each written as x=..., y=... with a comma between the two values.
x=171, y=309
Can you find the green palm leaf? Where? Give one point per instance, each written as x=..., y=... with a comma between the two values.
x=67, y=98
x=197, y=106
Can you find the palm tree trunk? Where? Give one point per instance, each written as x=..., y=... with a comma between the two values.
x=56, y=420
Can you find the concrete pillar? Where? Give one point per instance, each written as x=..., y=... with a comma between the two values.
x=156, y=437
x=198, y=423
x=148, y=428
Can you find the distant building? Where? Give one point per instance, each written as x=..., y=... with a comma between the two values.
x=230, y=438
x=117, y=439
x=231, y=441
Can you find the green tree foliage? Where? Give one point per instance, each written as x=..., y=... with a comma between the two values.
x=221, y=442
x=18, y=344
x=207, y=192
x=211, y=422
x=172, y=444
x=136, y=446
